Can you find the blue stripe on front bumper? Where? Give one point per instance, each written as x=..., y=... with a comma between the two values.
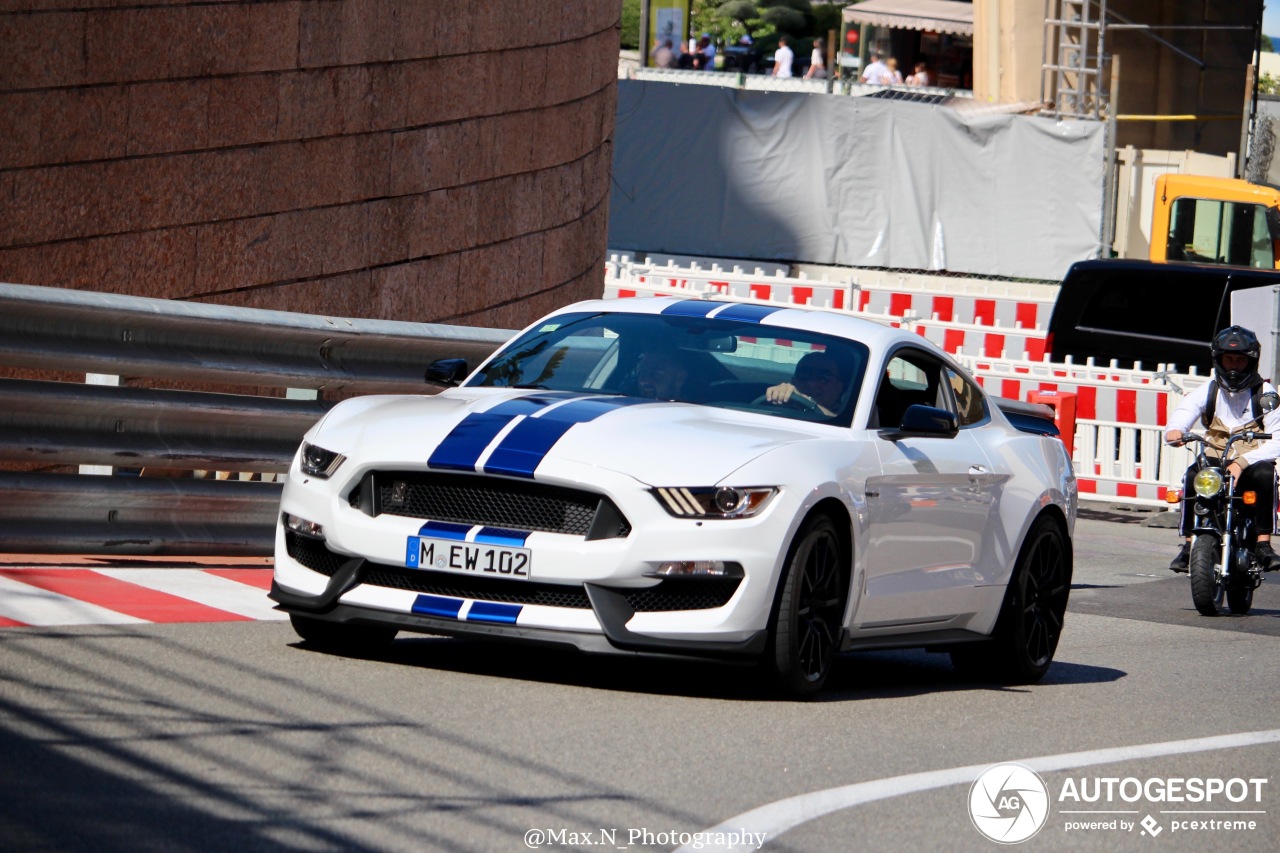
x=501, y=536
x=435, y=605
x=445, y=530
x=487, y=611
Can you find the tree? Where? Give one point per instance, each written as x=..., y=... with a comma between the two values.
x=629, y=34
x=1266, y=45
x=759, y=18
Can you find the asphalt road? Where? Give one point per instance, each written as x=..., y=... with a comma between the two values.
x=231, y=736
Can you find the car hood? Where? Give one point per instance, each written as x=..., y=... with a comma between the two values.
x=529, y=434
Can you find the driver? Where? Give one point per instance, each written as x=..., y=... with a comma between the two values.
x=817, y=378
x=1225, y=405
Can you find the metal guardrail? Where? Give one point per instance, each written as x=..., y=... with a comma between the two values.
x=67, y=423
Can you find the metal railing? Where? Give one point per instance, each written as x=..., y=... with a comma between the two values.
x=139, y=429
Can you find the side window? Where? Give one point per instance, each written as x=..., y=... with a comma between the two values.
x=970, y=402
x=1207, y=231
x=910, y=377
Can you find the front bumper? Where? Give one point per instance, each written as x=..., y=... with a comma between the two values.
x=450, y=616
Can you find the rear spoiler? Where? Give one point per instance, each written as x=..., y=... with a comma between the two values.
x=1028, y=417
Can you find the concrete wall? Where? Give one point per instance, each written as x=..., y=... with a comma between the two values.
x=432, y=160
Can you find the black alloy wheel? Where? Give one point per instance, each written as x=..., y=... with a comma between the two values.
x=809, y=618
x=1029, y=627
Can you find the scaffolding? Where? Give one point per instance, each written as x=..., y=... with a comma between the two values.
x=1076, y=68
x=1075, y=34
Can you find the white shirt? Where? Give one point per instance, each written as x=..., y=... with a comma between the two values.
x=873, y=72
x=1235, y=410
x=783, y=56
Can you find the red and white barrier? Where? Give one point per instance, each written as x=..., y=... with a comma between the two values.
x=994, y=329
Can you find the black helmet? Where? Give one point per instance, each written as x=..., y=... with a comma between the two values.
x=1239, y=340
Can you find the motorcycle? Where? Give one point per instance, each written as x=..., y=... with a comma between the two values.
x=1223, y=537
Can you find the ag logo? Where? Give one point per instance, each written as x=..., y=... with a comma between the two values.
x=1009, y=803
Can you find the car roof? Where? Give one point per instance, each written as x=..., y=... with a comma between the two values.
x=876, y=336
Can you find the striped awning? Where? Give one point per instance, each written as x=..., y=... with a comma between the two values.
x=942, y=16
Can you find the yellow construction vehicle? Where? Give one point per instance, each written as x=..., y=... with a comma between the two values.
x=1206, y=220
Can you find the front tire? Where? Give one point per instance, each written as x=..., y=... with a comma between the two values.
x=1206, y=589
x=808, y=623
x=1027, y=631
x=341, y=638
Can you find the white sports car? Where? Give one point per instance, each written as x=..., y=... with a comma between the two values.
x=690, y=477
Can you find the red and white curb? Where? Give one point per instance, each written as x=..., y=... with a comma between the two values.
x=50, y=596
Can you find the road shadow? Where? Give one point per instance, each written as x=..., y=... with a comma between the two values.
x=1168, y=601
x=855, y=675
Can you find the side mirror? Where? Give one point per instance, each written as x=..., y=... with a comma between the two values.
x=1269, y=402
x=448, y=372
x=924, y=420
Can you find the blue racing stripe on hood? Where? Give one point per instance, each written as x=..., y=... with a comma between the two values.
x=524, y=448
x=747, y=313
x=692, y=308
x=463, y=445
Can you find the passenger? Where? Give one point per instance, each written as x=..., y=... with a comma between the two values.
x=660, y=375
x=818, y=377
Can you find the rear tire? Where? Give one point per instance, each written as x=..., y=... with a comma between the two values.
x=340, y=637
x=1240, y=598
x=1206, y=590
x=1027, y=631
x=808, y=622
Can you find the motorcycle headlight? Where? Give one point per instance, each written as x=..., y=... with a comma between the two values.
x=319, y=462
x=1208, y=482
x=714, y=501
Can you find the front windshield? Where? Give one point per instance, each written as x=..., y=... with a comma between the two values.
x=729, y=364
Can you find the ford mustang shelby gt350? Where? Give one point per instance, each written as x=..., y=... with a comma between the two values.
x=690, y=477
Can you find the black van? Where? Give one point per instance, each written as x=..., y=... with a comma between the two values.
x=1140, y=311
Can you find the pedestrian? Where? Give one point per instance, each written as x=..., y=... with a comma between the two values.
x=920, y=77
x=783, y=57
x=685, y=60
x=817, y=63
x=708, y=49
x=874, y=70
x=891, y=75
x=1225, y=405
x=663, y=56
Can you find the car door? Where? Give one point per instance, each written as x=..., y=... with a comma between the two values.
x=930, y=506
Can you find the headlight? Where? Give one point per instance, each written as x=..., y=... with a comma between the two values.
x=319, y=462
x=715, y=501
x=1208, y=482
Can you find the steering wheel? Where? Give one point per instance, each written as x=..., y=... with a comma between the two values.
x=797, y=400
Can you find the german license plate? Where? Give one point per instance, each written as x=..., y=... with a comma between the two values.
x=468, y=558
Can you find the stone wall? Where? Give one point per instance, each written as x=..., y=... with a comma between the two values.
x=429, y=160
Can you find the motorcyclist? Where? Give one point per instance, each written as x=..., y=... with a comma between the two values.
x=1225, y=405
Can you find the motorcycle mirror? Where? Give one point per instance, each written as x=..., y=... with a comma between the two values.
x=1269, y=402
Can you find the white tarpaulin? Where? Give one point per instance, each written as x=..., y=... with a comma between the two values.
x=825, y=179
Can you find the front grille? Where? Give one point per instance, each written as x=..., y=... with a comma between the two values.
x=666, y=595
x=491, y=501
